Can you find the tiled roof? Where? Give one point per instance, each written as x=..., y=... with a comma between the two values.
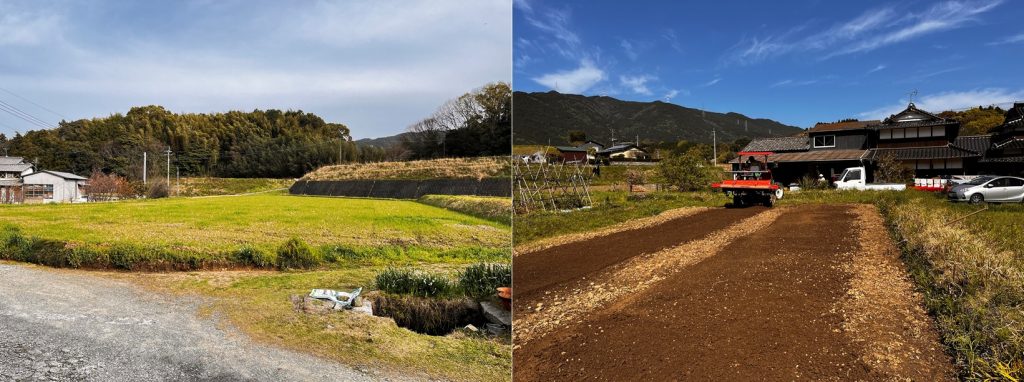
x=892, y=125
x=1003, y=160
x=910, y=153
x=14, y=167
x=1012, y=143
x=778, y=144
x=808, y=156
x=11, y=160
x=975, y=143
x=839, y=126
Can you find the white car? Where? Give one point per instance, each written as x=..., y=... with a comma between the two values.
x=1000, y=189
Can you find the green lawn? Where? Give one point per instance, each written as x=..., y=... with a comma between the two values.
x=265, y=220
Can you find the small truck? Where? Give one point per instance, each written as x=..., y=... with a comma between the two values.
x=753, y=183
x=855, y=178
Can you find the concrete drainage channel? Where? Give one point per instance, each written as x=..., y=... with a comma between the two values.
x=441, y=317
x=403, y=189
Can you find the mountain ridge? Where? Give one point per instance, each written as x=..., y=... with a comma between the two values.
x=540, y=116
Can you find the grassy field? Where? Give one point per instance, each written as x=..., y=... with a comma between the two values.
x=447, y=168
x=205, y=186
x=610, y=207
x=193, y=233
x=257, y=302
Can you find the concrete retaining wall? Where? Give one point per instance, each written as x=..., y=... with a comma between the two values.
x=403, y=189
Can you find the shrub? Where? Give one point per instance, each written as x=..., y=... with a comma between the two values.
x=158, y=189
x=125, y=256
x=414, y=283
x=480, y=281
x=688, y=172
x=808, y=182
x=296, y=254
x=256, y=257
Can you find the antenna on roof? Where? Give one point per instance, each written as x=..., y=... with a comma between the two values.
x=912, y=94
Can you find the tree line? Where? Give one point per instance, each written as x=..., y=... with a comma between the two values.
x=261, y=143
x=478, y=123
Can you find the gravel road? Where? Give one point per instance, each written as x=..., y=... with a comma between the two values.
x=64, y=326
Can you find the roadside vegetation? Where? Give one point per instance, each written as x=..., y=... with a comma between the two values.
x=446, y=168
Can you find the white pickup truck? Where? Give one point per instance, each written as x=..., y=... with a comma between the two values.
x=855, y=178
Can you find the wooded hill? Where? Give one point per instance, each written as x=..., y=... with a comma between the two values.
x=542, y=116
x=261, y=143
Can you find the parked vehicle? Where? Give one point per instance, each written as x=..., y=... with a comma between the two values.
x=999, y=189
x=753, y=184
x=855, y=178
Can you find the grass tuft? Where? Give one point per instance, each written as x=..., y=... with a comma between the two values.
x=296, y=254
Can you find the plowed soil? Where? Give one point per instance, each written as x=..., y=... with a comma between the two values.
x=772, y=305
x=539, y=271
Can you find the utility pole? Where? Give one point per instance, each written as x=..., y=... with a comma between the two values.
x=144, y=160
x=177, y=179
x=341, y=145
x=168, y=153
x=714, y=146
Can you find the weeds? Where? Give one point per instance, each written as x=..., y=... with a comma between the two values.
x=491, y=208
x=296, y=254
x=415, y=283
x=480, y=281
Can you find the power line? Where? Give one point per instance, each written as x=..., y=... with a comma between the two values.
x=39, y=120
x=35, y=104
x=15, y=113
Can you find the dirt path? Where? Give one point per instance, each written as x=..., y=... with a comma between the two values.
x=66, y=326
x=536, y=271
x=778, y=303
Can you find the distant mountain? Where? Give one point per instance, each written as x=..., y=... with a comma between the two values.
x=382, y=142
x=540, y=117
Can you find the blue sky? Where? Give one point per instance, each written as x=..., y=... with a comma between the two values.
x=376, y=66
x=798, y=63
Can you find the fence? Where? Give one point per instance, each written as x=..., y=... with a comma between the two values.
x=403, y=189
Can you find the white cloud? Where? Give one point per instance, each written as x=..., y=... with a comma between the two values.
x=951, y=100
x=877, y=68
x=573, y=81
x=1008, y=40
x=673, y=93
x=871, y=30
x=637, y=83
x=376, y=67
x=790, y=83
x=712, y=82
x=670, y=36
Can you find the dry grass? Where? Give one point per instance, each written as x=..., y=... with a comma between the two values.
x=628, y=225
x=485, y=207
x=446, y=168
x=975, y=290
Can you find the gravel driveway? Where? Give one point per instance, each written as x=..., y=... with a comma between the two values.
x=65, y=326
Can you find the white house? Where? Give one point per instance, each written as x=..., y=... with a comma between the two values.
x=53, y=187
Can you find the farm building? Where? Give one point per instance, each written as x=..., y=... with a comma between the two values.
x=572, y=154
x=21, y=183
x=923, y=142
x=624, y=152
x=596, y=146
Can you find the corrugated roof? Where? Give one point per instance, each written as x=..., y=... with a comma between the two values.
x=568, y=149
x=779, y=144
x=839, y=126
x=65, y=175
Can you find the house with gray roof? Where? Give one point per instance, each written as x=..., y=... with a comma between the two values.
x=20, y=182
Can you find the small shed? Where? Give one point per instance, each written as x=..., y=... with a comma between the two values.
x=573, y=154
x=53, y=187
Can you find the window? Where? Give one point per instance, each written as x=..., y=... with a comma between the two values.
x=44, y=191
x=1014, y=182
x=852, y=175
x=825, y=141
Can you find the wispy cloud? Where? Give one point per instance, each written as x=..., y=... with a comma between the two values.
x=671, y=94
x=555, y=23
x=29, y=28
x=873, y=29
x=952, y=100
x=711, y=83
x=792, y=83
x=576, y=81
x=877, y=68
x=627, y=48
x=673, y=41
x=1008, y=40
x=637, y=83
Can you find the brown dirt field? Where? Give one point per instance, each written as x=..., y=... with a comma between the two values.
x=774, y=304
x=542, y=269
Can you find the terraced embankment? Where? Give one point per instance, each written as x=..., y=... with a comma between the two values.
x=810, y=292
